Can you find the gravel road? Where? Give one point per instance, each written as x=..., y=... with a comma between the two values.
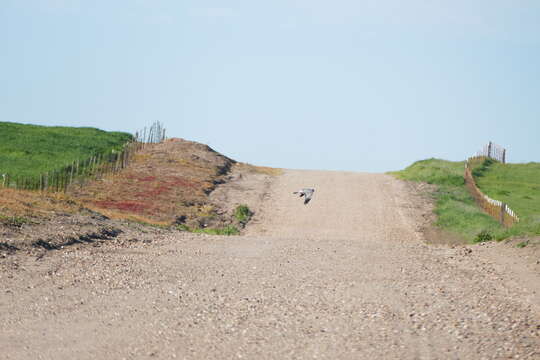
x=345, y=277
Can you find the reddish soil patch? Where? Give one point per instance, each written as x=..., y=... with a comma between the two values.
x=130, y=206
x=147, y=178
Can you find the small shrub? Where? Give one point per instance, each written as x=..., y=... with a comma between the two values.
x=228, y=230
x=483, y=236
x=242, y=214
x=522, y=244
x=183, y=227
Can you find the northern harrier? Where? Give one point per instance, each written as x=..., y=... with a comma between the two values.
x=307, y=193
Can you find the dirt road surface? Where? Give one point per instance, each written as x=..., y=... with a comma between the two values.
x=345, y=277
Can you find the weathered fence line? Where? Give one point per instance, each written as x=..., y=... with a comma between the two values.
x=155, y=134
x=497, y=209
x=93, y=167
x=493, y=151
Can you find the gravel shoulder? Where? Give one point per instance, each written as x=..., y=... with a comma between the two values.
x=348, y=276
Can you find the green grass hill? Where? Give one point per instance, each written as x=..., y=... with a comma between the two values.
x=30, y=150
x=516, y=184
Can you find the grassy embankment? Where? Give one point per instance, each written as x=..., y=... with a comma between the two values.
x=30, y=150
x=516, y=184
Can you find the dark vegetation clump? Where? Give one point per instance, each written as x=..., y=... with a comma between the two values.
x=242, y=214
x=483, y=236
x=8, y=247
x=483, y=168
x=227, y=230
x=522, y=244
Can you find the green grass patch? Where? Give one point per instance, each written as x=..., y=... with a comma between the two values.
x=30, y=150
x=242, y=214
x=183, y=227
x=483, y=236
x=15, y=221
x=517, y=185
x=455, y=208
x=522, y=244
x=228, y=230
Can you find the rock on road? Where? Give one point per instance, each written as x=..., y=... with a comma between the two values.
x=345, y=277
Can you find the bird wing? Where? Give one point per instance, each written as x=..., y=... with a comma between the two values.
x=308, y=197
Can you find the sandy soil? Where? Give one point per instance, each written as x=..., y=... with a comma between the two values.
x=348, y=276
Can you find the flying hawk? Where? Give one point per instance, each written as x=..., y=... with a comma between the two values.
x=307, y=193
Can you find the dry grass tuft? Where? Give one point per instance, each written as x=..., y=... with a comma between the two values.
x=117, y=215
x=35, y=204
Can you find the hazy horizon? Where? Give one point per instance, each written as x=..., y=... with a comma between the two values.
x=360, y=86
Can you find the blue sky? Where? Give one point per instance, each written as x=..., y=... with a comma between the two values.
x=340, y=85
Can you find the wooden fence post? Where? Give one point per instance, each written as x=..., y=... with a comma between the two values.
x=92, y=166
x=503, y=211
x=72, y=167
x=144, y=136
x=123, y=158
x=489, y=149
x=66, y=181
x=117, y=162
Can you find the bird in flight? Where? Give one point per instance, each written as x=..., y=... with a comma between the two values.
x=306, y=193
